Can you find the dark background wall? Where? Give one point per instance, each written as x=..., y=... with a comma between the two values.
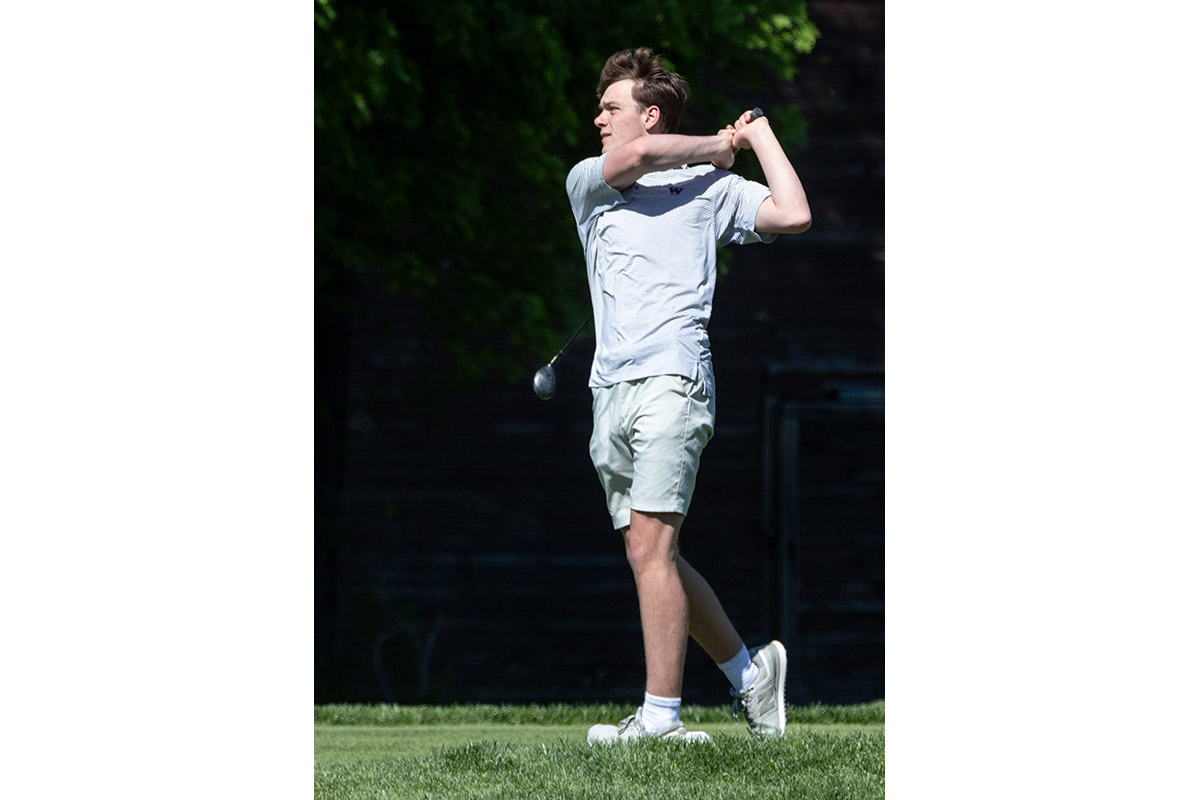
x=463, y=549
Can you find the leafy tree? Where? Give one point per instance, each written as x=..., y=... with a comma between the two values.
x=444, y=133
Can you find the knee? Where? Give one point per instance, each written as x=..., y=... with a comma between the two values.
x=646, y=552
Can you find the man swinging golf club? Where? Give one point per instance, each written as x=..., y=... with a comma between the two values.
x=650, y=226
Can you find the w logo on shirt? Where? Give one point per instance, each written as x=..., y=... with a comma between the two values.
x=675, y=189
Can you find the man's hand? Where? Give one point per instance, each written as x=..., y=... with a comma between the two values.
x=747, y=129
x=725, y=161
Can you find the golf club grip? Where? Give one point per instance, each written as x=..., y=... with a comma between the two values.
x=756, y=113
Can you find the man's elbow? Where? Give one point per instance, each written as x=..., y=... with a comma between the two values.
x=802, y=222
x=779, y=215
x=625, y=165
x=638, y=153
x=796, y=221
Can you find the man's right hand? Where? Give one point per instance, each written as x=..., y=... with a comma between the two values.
x=724, y=161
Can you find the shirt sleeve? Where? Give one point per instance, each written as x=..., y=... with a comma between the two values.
x=737, y=209
x=588, y=192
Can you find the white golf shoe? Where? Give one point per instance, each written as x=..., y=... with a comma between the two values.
x=631, y=728
x=763, y=701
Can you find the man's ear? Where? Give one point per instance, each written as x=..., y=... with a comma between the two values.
x=652, y=117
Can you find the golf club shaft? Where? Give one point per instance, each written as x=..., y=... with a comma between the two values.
x=573, y=335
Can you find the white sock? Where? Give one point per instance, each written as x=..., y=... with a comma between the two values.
x=740, y=670
x=659, y=713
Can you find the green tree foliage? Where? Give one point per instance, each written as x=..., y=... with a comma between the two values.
x=444, y=133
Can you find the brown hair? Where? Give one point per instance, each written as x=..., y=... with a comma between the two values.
x=653, y=85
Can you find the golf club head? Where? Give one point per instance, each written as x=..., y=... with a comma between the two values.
x=543, y=382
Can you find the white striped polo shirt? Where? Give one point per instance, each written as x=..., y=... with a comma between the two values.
x=652, y=264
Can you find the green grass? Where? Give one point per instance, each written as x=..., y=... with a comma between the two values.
x=564, y=714
x=540, y=753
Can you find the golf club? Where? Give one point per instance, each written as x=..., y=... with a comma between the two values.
x=543, y=380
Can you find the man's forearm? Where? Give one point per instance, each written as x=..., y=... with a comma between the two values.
x=667, y=150
x=648, y=154
x=786, y=210
x=781, y=177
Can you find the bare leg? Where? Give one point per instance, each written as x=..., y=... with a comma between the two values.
x=652, y=547
x=708, y=623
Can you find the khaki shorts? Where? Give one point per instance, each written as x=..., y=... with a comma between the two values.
x=646, y=441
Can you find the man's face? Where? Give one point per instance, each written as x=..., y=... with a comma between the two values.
x=620, y=121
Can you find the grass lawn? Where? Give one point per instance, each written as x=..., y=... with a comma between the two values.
x=536, y=752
